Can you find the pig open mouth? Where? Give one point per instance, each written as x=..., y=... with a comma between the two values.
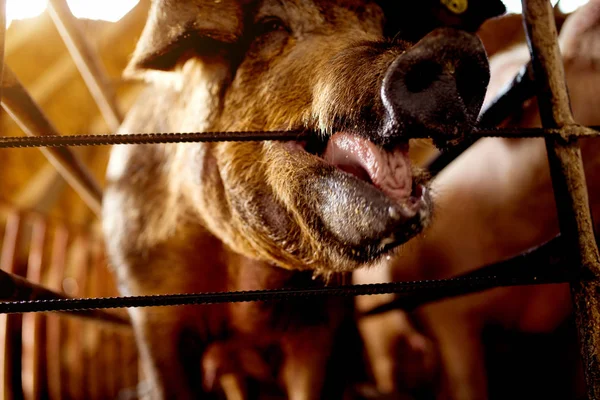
x=388, y=170
x=370, y=198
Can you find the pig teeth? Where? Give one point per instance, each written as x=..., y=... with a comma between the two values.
x=387, y=241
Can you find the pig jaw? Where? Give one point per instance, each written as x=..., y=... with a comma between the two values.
x=363, y=201
x=360, y=222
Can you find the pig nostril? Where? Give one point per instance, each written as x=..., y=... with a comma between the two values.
x=470, y=78
x=421, y=75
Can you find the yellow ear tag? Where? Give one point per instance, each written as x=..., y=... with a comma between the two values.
x=456, y=6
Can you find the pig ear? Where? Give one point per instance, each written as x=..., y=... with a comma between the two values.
x=178, y=27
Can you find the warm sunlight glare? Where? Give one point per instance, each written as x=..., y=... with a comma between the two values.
x=105, y=10
x=19, y=9
x=566, y=6
x=114, y=10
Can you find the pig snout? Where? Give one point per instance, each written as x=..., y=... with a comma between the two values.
x=437, y=85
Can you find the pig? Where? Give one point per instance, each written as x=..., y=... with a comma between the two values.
x=494, y=202
x=206, y=217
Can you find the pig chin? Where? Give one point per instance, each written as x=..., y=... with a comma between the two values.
x=369, y=199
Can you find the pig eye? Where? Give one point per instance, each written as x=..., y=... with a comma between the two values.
x=270, y=24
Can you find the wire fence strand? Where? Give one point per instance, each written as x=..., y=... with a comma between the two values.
x=191, y=137
x=423, y=290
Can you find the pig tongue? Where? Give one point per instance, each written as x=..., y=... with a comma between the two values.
x=387, y=170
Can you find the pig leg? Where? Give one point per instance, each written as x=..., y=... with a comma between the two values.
x=233, y=386
x=157, y=335
x=304, y=368
x=401, y=358
x=461, y=353
x=380, y=350
x=229, y=363
x=399, y=355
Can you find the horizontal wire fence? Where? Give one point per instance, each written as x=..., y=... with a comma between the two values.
x=413, y=293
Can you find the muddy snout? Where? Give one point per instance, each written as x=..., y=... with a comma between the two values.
x=438, y=84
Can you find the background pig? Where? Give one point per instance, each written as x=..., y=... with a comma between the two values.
x=494, y=202
x=243, y=216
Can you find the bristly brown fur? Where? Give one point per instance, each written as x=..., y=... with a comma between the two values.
x=241, y=216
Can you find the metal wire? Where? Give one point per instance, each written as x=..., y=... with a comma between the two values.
x=421, y=289
x=155, y=138
x=146, y=138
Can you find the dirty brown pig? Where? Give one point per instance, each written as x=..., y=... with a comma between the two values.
x=186, y=218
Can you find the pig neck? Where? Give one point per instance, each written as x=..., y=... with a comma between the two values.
x=247, y=274
x=269, y=319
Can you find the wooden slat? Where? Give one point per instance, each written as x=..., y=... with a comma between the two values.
x=9, y=244
x=55, y=76
x=94, y=361
x=76, y=373
x=10, y=325
x=33, y=357
x=30, y=118
x=112, y=348
x=87, y=60
x=56, y=324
